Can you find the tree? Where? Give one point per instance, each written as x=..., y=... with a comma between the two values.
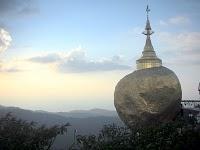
x=181, y=134
x=17, y=134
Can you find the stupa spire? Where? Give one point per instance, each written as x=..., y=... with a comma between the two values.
x=149, y=58
x=148, y=32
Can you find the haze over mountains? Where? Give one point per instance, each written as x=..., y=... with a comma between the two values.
x=85, y=121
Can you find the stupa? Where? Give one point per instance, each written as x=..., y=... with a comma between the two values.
x=149, y=58
x=150, y=94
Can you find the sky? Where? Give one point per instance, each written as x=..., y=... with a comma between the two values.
x=62, y=55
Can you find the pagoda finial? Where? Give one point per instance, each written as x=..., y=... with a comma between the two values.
x=148, y=10
x=148, y=30
x=148, y=46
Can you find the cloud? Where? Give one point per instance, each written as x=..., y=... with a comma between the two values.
x=187, y=42
x=185, y=46
x=13, y=7
x=5, y=68
x=89, y=66
x=76, y=61
x=5, y=40
x=162, y=23
x=49, y=58
x=177, y=20
x=10, y=70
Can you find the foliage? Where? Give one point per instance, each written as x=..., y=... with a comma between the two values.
x=182, y=134
x=17, y=134
x=111, y=137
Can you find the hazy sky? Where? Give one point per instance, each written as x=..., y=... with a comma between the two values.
x=61, y=55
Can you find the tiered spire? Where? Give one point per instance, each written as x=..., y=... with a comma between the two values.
x=148, y=46
x=149, y=58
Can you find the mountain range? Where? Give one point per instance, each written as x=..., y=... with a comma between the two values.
x=86, y=122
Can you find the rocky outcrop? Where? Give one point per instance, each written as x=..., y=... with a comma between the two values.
x=147, y=96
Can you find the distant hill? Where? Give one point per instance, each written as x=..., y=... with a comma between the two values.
x=89, y=113
x=85, y=121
